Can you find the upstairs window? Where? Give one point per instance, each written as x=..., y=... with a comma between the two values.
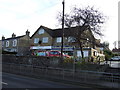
x=45, y=40
x=36, y=40
x=7, y=43
x=14, y=43
x=71, y=39
x=59, y=39
x=41, y=31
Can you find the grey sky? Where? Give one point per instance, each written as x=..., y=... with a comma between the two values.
x=16, y=16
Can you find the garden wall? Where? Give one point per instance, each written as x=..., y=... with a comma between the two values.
x=32, y=60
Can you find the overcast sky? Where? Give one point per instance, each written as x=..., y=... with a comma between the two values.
x=16, y=16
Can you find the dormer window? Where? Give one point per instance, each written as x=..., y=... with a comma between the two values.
x=14, y=43
x=41, y=31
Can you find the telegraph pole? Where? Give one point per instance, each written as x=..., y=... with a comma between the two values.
x=118, y=24
x=62, y=30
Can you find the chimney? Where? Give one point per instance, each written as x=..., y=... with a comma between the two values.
x=13, y=35
x=3, y=37
x=27, y=33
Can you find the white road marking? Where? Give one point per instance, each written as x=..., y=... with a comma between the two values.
x=4, y=83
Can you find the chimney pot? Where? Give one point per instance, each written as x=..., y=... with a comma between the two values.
x=13, y=35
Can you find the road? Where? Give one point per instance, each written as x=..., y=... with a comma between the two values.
x=17, y=81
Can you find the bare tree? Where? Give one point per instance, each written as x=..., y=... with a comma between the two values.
x=86, y=19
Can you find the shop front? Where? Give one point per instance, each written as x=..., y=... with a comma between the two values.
x=39, y=50
x=68, y=50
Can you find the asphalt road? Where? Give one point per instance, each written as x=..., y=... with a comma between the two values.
x=17, y=81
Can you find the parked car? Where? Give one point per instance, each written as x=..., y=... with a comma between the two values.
x=57, y=54
x=50, y=54
x=39, y=53
x=115, y=58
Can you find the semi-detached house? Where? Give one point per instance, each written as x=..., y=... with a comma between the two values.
x=16, y=44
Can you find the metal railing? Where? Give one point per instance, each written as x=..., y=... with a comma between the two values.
x=82, y=76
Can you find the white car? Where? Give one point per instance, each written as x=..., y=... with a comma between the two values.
x=115, y=58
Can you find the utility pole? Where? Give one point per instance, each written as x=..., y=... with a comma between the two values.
x=62, y=42
x=118, y=25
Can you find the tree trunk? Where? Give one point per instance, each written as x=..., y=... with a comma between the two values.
x=81, y=49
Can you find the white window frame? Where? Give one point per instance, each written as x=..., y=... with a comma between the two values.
x=14, y=43
x=7, y=43
x=45, y=40
x=36, y=40
x=41, y=31
x=59, y=39
x=71, y=39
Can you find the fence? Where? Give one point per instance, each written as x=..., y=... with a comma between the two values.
x=79, y=76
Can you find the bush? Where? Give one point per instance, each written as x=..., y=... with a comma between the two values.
x=68, y=60
x=108, y=54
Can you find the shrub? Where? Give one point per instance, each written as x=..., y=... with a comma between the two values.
x=68, y=60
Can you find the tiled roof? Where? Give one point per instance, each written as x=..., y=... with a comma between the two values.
x=14, y=37
x=116, y=50
x=67, y=32
x=58, y=32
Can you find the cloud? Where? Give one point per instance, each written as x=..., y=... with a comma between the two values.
x=19, y=15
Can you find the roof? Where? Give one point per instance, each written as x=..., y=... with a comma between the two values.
x=116, y=50
x=58, y=32
x=67, y=32
x=14, y=37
